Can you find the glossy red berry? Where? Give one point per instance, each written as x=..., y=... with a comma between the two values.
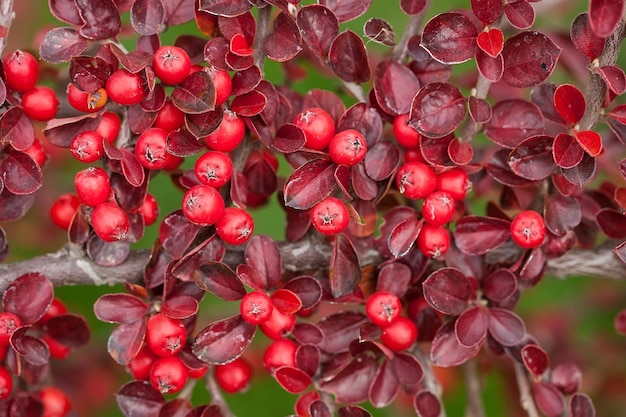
x=400, y=334
x=171, y=64
x=228, y=135
x=6, y=383
x=87, y=146
x=92, y=186
x=528, y=229
x=278, y=325
x=433, y=241
x=169, y=117
x=149, y=210
x=382, y=308
x=235, y=227
x=168, y=375
x=109, y=126
x=438, y=208
x=203, y=205
x=40, y=103
x=55, y=402
x=57, y=349
x=456, y=182
x=214, y=168
x=86, y=102
x=256, y=307
x=413, y=155
x=165, y=336
x=330, y=216
x=125, y=88
x=21, y=70
x=151, y=149
x=318, y=126
x=139, y=367
x=347, y=147
x=404, y=133
x=109, y=222
x=280, y=353
x=56, y=308
x=222, y=83
x=9, y=322
x=416, y=180
x=63, y=209
x=234, y=376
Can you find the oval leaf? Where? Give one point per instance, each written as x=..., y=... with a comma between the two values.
x=218, y=279
x=28, y=297
x=475, y=235
x=348, y=58
x=310, y=184
x=529, y=58
x=447, y=290
x=471, y=327
x=344, y=270
x=223, y=341
x=506, y=327
x=119, y=308
x=437, y=110
x=450, y=38
x=293, y=380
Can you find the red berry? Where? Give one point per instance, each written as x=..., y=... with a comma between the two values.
x=56, y=308
x=330, y=216
x=21, y=70
x=256, y=307
x=528, y=229
x=92, y=186
x=222, y=84
x=40, y=103
x=416, y=180
x=9, y=322
x=383, y=308
x=63, y=209
x=109, y=222
x=55, y=402
x=214, y=168
x=234, y=376
x=433, y=241
x=139, y=367
x=235, y=227
x=165, y=336
x=228, y=135
x=413, y=155
x=109, y=126
x=347, y=147
x=168, y=375
x=318, y=126
x=37, y=152
x=203, y=205
x=404, y=133
x=280, y=353
x=400, y=334
x=6, y=383
x=149, y=210
x=171, y=64
x=301, y=407
x=151, y=149
x=438, y=208
x=57, y=349
x=125, y=88
x=456, y=182
x=87, y=146
x=278, y=325
x=169, y=117
x=86, y=102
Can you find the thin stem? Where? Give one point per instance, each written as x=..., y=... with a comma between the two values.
x=217, y=398
x=525, y=396
x=430, y=382
x=475, y=407
x=356, y=90
x=412, y=28
x=262, y=30
x=6, y=18
x=471, y=127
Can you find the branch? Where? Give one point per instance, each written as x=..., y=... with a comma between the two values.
x=216, y=396
x=525, y=396
x=430, y=382
x=6, y=18
x=475, y=407
x=412, y=28
x=262, y=30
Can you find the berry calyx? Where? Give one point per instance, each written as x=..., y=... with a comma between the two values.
x=433, y=241
x=256, y=307
x=168, y=375
x=63, y=209
x=203, y=205
x=234, y=376
x=330, y=216
x=400, y=334
x=171, y=64
x=40, y=103
x=235, y=227
x=165, y=336
x=125, y=88
x=280, y=353
x=405, y=135
x=318, y=127
x=109, y=222
x=382, y=308
x=438, y=208
x=347, y=147
x=92, y=186
x=21, y=70
x=528, y=229
x=416, y=180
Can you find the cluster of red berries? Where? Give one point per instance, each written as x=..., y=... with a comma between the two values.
x=384, y=309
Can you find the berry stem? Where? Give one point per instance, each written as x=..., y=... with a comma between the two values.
x=475, y=407
x=525, y=396
x=217, y=398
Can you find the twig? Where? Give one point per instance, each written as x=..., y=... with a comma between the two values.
x=216, y=396
x=412, y=28
x=475, y=407
x=6, y=18
x=430, y=382
x=262, y=30
x=356, y=90
x=525, y=396
x=471, y=127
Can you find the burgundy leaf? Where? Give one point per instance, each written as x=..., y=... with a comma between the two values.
x=225, y=7
x=395, y=86
x=68, y=329
x=176, y=233
x=284, y=43
x=543, y=97
x=126, y=340
x=491, y=42
x=223, y=341
x=351, y=384
x=512, y=121
x=14, y=206
x=584, y=39
x=411, y=7
x=394, y=277
x=326, y=100
x=251, y=277
x=487, y=10
x=548, y=398
x=246, y=80
x=147, y=17
x=292, y=380
x=289, y=138
x=286, y=301
x=215, y=52
x=365, y=119
x=500, y=285
x=23, y=404
x=28, y=297
x=569, y=102
x=447, y=290
x=218, y=279
x=17, y=129
x=385, y=386
x=446, y=351
x=307, y=333
x=310, y=184
x=319, y=409
x=134, y=61
x=475, y=235
x=344, y=270
x=21, y=174
x=612, y=222
x=614, y=78
x=178, y=12
x=566, y=151
x=353, y=411
x=403, y=236
x=618, y=113
x=426, y=403
x=65, y=11
x=346, y=10
x=505, y=326
x=520, y=14
x=407, y=368
x=489, y=67
x=460, y=153
x=132, y=169
x=101, y=19
x=582, y=173
x=32, y=349
x=529, y=58
x=535, y=359
x=61, y=44
x=308, y=358
x=532, y=158
x=604, y=16
x=249, y=104
x=379, y=31
x=180, y=306
x=203, y=124
x=340, y=329
x=119, y=308
x=589, y=141
x=471, y=327
x=562, y=214
x=318, y=27
x=139, y=399
x=437, y=110
x=479, y=109
x=182, y=143
x=567, y=377
x=348, y=58
x=263, y=254
x=89, y=73
x=307, y=289
x=580, y=405
x=426, y=68
x=196, y=94
x=242, y=25
x=450, y=38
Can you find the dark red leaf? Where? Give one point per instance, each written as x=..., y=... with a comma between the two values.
x=437, y=110
x=580, y=405
x=582, y=173
x=326, y=100
x=101, y=19
x=23, y=404
x=176, y=233
x=289, y=138
x=500, y=285
x=310, y=184
x=584, y=39
x=426, y=403
x=475, y=235
x=17, y=129
x=347, y=10
x=567, y=377
x=225, y=7
x=308, y=357
x=14, y=206
x=543, y=97
x=403, y=236
x=365, y=119
x=242, y=25
x=203, y=124
x=460, y=153
x=223, y=341
x=21, y=174
x=619, y=113
x=487, y=10
x=178, y=12
x=562, y=214
x=318, y=27
x=307, y=333
x=614, y=78
x=249, y=104
x=61, y=44
x=308, y=290
x=65, y=11
x=532, y=158
x=505, y=326
x=68, y=329
x=490, y=68
x=548, y=398
x=147, y=17
x=180, y=306
x=126, y=340
x=427, y=69
x=590, y=141
x=447, y=290
x=379, y=31
x=604, y=16
x=529, y=58
x=535, y=359
x=353, y=411
x=446, y=351
x=394, y=277
x=512, y=121
x=132, y=169
x=293, y=380
x=89, y=73
x=566, y=151
x=285, y=42
x=407, y=368
x=491, y=41
x=344, y=270
x=286, y=301
x=470, y=327
x=119, y=308
x=32, y=349
x=246, y=80
x=412, y=6
x=218, y=279
x=520, y=13
x=450, y=38
x=348, y=58
x=139, y=399
x=182, y=143
x=319, y=409
x=569, y=102
x=196, y=94
x=395, y=86
x=215, y=52
x=351, y=384
x=385, y=386
x=263, y=254
x=28, y=297
x=134, y=61
x=340, y=329
x=612, y=222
